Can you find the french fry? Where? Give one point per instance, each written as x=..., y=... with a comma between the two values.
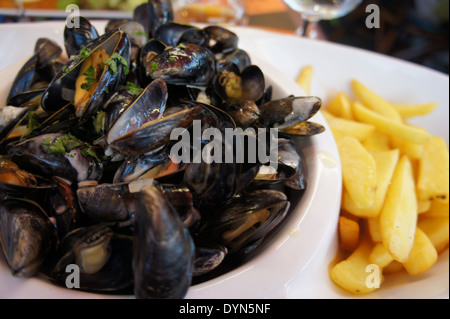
x=348, y=233
x=377, y=142
x=412, y=178
x=392, y=268
x=375, y=102
x=386, y=161
x=351, y=274
x=398, y=218
x=359, y=171
x=373, y=227
x=341, y=106
x=358, y=130
x=412, y=150
x=437, y=210
x=437, y=230
x=423, y=254
x=433, y=179
x=389, y=126
x=304, y=78
x=380, y=256
x=408, y=111
x=423, y=206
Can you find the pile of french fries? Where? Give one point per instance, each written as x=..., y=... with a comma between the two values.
x=395, y=201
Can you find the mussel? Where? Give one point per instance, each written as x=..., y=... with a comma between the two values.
x=28, y=237
x=91, y=77
x=164, y=249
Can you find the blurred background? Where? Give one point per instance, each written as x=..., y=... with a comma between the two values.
x=413, y=30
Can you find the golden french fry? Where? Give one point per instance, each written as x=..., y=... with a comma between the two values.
x=408, y=111
x=437, y=230
x=423, y=254
x=348, y=233
x=375, y=102
x=358, y=130
x=398, y=218
x=392, y=268
x=437, y=209
x=351, y=274
x=380, y=256
x=433, y=179
x=377, y=142
x=412, y=150
x=341, y=106
x=423, y=206
x=386, y=161
x=388, y=126
x=304, y=78
x=359, y=171
x=373, y=228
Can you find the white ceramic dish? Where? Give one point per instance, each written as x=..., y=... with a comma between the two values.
x=313, y=220
x=296, y=265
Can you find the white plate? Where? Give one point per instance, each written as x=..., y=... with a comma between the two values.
x=296, y=265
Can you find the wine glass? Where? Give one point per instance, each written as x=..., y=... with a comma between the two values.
x=312, y=11
x=208, y=11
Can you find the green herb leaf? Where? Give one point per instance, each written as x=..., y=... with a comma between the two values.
x=154, y=66
x=55, y=147
x=84, y=52
x=90, y=152
x=98, y=122
x=133, y=88
x=112, y=64
x=31, y=125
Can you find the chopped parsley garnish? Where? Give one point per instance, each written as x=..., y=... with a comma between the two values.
x=154, y=66
x=31, y=125
x=133, y=88
x=172, y=58
x=84, y=52
x=98, y=122
x=90, y=78
x=112, y=63
x=66, y=143
x=140, y=33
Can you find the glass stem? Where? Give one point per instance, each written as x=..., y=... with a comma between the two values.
x=309, y=27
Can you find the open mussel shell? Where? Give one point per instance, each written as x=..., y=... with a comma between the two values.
x=62, y=90
x=47, y=50
x=27, y=236
x=159, y=12
x=245, y=219
x=306, y=128
x=234, y=86
x=76, y=37
x=25, y=78
x=186, y=64
x=18, y=183
x=102, y=257
x=208, y=257
x=164, y=251
x=222, y=40
x=142, y=127
x=10, y=117
x=74, y=166
x=106, y=202
x=172, y=34
x=287, y=112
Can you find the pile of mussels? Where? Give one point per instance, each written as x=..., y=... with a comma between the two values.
x=86, y=177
